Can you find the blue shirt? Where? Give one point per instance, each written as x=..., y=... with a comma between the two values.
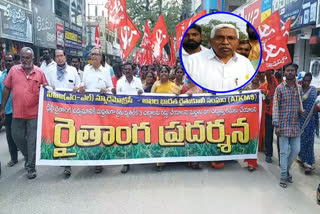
x=8, y=108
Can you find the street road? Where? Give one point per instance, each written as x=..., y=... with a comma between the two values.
x=177, y=189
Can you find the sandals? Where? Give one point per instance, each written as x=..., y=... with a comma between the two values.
x=283, y=183
x=194, y=165
x=125, y=168
x=67, y=171
x=98, y=169
x=289, y=179
x=251, y=168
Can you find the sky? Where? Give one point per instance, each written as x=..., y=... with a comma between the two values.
x=225, y=17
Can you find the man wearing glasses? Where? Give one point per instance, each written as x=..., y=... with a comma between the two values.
x=96, y=77
x=220, y=68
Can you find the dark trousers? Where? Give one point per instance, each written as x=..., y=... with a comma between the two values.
x=13, y=150
x=24, y=133
x=269, y=135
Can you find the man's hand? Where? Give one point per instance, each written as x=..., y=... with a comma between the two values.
x=114, y=91
x=103, y=90
x=140, y=92
x=277, y=131
x=2, y=113
x=75, y=90
x=82, y=89
x=302, y=113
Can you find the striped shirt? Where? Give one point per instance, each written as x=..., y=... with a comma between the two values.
x=286, y=108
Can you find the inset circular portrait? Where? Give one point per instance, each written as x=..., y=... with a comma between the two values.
x=221, y=52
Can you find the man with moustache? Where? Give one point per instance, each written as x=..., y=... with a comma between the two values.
x=75, y=62
x=192, y=42
x=129, y=85
x=96, y=77
x=24, y=82
x=244, y=48
x=13, y=150
x=285, y=118
x=220, y=69
x=48, y=65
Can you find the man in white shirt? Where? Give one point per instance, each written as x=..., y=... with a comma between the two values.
x=96, y=76
x=48, y=65
x=192, y=42
x=130, y=85
x=64, y=76
x=220, y=69
x=75, y=62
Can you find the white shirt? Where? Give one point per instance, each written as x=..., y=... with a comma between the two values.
x=185, y=54
x=96, y=79
x=50, y=68
x=70, y=80
x=124, y=87
x=80, y=73
x=207, y=70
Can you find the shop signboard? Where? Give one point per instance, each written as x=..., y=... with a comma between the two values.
x=16, y=23
x=60, y=35
x=45, y=27
x=73, y=39
x=301, y=12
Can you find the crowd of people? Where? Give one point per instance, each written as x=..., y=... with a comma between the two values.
x=288, y=105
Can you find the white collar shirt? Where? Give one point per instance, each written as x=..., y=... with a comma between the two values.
x=185, y=53
x=97, y=79
x=48, y=68
x=70, y=79
x=80, y=73
x=124, y=87
x=208, y=71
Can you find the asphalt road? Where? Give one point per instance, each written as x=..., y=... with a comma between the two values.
x=177, y=189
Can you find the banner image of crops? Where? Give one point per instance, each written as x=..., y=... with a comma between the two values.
x=105, y=129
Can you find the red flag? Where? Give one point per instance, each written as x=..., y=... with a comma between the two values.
x=285, y=29
x=146, y=43
x=129, y=36
x=275, y=53
x=137, y=57
x=97, y=42
x=183, y=26
x=269, y=27
x=159, y=36
x=173, y=55
x=117, y=13
x=146, y=58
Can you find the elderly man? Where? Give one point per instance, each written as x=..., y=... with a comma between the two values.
x=220, y=68
x=64, y=76
x=24, y=82
x=129, y=85
x=96, y=77
x=8, y=117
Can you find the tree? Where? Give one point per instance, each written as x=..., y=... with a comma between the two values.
x=140, y=10
x=206, y=30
